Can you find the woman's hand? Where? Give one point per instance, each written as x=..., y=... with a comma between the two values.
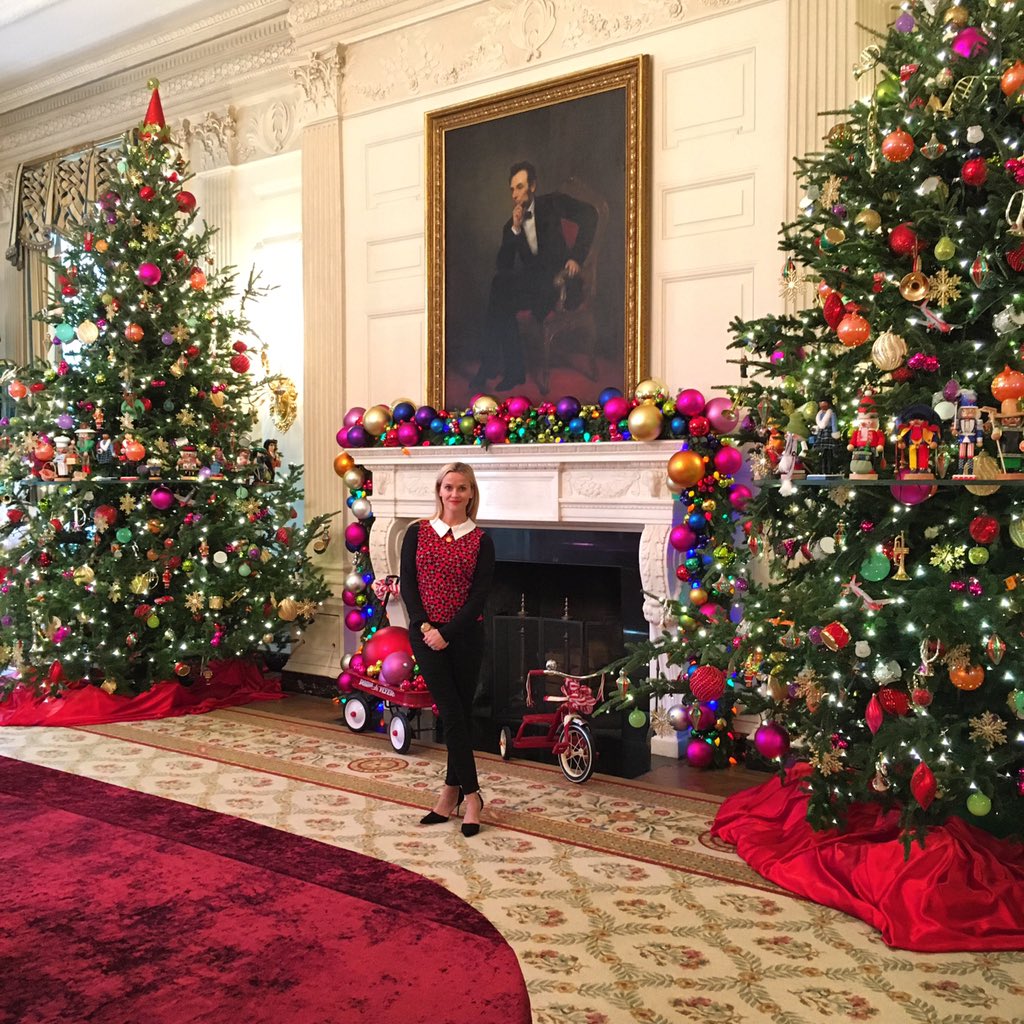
x=433, y=639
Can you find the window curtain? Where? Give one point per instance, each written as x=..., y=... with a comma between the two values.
x=50, y=198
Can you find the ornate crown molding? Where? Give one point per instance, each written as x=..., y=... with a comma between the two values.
x=267, y=129
x=211, y=141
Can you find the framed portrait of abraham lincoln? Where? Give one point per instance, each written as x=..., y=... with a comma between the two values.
x=537, y=239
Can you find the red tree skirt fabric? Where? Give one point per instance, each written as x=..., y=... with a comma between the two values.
x=232, y=683
x=963, y=892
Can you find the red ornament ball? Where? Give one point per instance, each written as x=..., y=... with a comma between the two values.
x=903, y=240
x=186, y=202
x=898, y=146
x=147, y=193
x=974, y=172
x=894, y=701
x=833, y=310
x=707, y=683
x=983, y=529
x=197, y=279
x=700, y=426
x=240, y=363
x=239, y=346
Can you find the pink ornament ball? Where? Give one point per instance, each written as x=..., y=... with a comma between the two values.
x=728, y=460
x=384, y=642
x=355, y=536
x=707, y=683
x=396, y=668
x=712, y=611
x=771, y=741
x=408, y=434
x=161, y=499
x=495, y=430
x=342, y=437
x=699, y=754
x=690, y=402
x=722, y=415
x=149, y=274
x=912, y=494
x=346, y=682
x=354, y=416
x=701, y=717
x=348, y=598
x=356, y=664
x=682, y=538
x=518, y=406
x=354, y=620
x=739, y=495
x=616, y=409
x=970, y=42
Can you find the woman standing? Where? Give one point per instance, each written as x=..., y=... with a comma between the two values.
x=446, y=572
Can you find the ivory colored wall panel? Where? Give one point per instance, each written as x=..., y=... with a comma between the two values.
x=709, y=97
x=697, y=310
x=389, y=259
x=394, y=170
x=716, y=205
x=394, y=342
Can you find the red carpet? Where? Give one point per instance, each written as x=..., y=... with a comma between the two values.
x=963, y=892
x=231, y=683
x=121, y=907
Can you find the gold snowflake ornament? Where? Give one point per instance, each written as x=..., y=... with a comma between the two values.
x=194, y=602
x=988, y=729
x=127, y=504
x=948, y=557
x=830, y=190
x=827, y=762
x=944, y=287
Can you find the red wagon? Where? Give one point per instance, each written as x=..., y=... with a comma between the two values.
x=404, y=707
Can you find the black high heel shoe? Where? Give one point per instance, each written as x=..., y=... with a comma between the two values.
x=433, y=818
x=471, y=828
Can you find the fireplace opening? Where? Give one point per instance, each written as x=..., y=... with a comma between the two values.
x=570, y=599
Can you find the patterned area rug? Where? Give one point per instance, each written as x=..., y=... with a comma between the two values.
x=617, y=904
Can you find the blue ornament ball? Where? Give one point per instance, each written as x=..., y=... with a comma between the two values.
x=577, y=425
x=403, y=411
x=677, y=425
x=607, y=395
x=696, y=521
x=437, y=425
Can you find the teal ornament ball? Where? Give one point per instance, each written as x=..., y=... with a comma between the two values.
x=875, y=567
x=637, y=718
x=979, y=805
x=124, y=535
x=244, y=569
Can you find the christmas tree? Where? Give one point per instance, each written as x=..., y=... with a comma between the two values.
x=884, y=635
x=143, y=532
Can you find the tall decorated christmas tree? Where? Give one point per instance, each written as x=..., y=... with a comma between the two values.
x=883, y=637
x=144, y=530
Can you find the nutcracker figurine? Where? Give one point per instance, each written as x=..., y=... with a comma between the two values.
x=969, y=432
x=867, y=441
x=791, y=466
x=825, y=439
x=917, y=433
x=1008, y=434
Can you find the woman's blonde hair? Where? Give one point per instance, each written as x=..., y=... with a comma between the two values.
x=467, y=471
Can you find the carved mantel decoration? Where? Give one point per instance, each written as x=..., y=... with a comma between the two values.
x=614, y=487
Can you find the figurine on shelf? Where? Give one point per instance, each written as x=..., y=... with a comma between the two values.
x=791, y=466
x=86, y=444
x=825, y=439
x=917, y=432
x=969, y=432
x=104, y=455
x=61, y=445
x=188, y=460
x=1008, y=434
x=217, y=464
x=266, y=461
x=867, y=441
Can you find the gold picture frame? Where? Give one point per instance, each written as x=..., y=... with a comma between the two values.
x=585, y=138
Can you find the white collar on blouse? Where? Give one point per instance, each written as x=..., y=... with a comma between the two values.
x=441, y=528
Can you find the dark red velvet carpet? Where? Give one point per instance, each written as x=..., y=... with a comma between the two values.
x=963, y=892
x=127, y=908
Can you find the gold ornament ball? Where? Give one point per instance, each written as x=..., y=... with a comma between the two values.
x=376, y=419
x=484, y=408
x=651, y=391
x=957, y=15
x=87, y=332
x=84, y=575
x=288, y=610
x=685, y=468
x=153, y=83
x=343, y=462
x=777, y=689
x=154, y=525
x=698, y=596
x=868, y=219
x=268, y=638
x=354, y=478
x=645, y=422
x=889, y=351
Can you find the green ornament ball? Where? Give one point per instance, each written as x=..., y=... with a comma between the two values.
x=978, y=556
x=188, y=565
x=637, y=718
x=945, y=249
x=887, y=92
x=123, y=535
x=242, y=492
x=153, y=621
x=467, y=424
x=875, y=567
x=244, y=569
x=693, y=564
x=979, y=805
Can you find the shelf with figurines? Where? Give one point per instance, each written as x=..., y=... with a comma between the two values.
x=802, y=456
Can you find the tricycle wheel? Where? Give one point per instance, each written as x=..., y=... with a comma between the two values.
x=505, y=743
x=577, y=760
x=357, y=713
x=399, y=732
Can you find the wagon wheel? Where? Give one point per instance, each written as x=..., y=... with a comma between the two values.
x=577, y=760
x=505, y=743
x=357, y=713
x=399, y=732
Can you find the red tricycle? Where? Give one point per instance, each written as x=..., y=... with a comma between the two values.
x=566, y=731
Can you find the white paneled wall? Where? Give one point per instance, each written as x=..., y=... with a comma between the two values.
x=719, y=185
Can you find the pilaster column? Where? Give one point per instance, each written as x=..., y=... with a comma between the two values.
x=13, y=341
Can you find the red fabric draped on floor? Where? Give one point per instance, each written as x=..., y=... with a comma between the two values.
x=120, y=906
x=963, y=892
x=232, y=683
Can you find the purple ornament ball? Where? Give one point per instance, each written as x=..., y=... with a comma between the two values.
x=728, y=460
x=495, y=430
x=690, y=402
x=814, y=635
x=722, y=415
x=161, y=499
x=354, y=620
x=64, y=421
x=354, y=416
x=904, y=23
x=951, y=390
x=517, y=405
x=357, y=437
x=396, y=668
x=149, y=274
x=615, y=409
x=423, y=416
x=568, y=407
x=682, y=537
x=699, y=754
x=167, y=338
x=702, y=716
x=771, y=741
x=408, y=434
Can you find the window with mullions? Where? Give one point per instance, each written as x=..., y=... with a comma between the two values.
x=69, y=349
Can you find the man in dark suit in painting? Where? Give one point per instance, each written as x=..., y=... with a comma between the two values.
x=534, y=262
